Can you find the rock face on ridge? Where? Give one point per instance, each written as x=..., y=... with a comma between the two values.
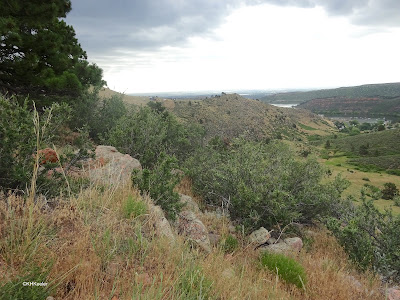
x=111, y=166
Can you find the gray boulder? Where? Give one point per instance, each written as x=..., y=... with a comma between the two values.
x=192, y=229
x=259, y=237
x=112, y=167
x=160, y=224
x=189, y=203
x=286, y=246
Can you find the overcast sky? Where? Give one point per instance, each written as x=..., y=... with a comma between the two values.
x=193, y=45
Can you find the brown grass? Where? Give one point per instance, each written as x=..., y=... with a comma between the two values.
x=87, y=237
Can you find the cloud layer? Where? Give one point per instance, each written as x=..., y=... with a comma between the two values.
x=104, y=26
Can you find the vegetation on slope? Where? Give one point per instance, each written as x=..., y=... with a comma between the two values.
x=230, y=115
x=387, y=90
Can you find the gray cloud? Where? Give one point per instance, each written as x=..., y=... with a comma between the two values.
x=104, y=26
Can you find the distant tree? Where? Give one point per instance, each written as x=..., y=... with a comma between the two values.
x=389, y=191
x=327, y=144
x=363, y=150
x=365, y=126
x=39, y=53
x=354, y=123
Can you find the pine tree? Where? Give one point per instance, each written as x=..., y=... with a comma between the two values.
x=39, y=53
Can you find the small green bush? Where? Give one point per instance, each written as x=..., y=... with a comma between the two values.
x=229, y=244
x=371, y=238
x=285, y=267
x=193, y=284
x=396, y=200
x=159, y=182
x=389, y=191
x=133, y=208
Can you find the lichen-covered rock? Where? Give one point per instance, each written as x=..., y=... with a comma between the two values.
x=285, y=246
x=259, y=237
x=112, y=167
x=191, y=228
x=189, y=204
x=393, y=294
x=161, y=226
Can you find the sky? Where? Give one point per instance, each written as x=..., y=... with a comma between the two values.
x=153, y=46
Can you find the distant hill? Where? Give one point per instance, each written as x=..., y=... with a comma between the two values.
x=385, y=90
x=231, y=115
x=357, y=106
x=137, y=100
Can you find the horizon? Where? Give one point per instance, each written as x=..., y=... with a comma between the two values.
x=242, y=91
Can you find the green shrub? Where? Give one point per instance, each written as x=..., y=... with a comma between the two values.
x=285, y=267
x=145, y=133
x=389, y=191
x=18, y=139
x=396, y=200
x=262, y=185
x=229, y=244
x=133, y=208
x=159, y=183
x=371, y=238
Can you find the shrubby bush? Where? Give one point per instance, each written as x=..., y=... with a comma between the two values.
x=371, y=238
x=144, y=133
x=18, y=139
x=263, y=185
x=389, y=191
x=159, y=182
x=96, y=114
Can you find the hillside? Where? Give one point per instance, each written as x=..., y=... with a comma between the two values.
x=386, y=90
x=137, y=100
x=231, y=115
x=357, y=106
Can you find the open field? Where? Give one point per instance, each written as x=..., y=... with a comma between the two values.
x=339, y=165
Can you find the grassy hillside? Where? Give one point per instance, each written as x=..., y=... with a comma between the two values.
x=231, y=115
x=137, y=100
x=355, y=106
x=387, y=90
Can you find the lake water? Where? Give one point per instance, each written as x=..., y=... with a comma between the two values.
x=284, y=105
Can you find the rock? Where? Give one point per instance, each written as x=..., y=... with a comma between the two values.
x=189, y=226
x=285, y=246
x=50, y=298
x=228, y=273
x=231, y=229
x=271, y=241
x=393, y=294
x=295, y=243
x=259, y=236
x=214, y=238
x=190, y=204
x=112, y=167
x=144, y=278
x=160, y=223
x=47, y=155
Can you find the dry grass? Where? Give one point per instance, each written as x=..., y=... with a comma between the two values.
x=98, y=254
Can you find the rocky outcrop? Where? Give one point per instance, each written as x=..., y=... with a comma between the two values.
x=285, y=246
x=111, y=166
x=259, y=236
x=189, y=204
x=160, y=224
x=393, y=294
x=193, y=229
